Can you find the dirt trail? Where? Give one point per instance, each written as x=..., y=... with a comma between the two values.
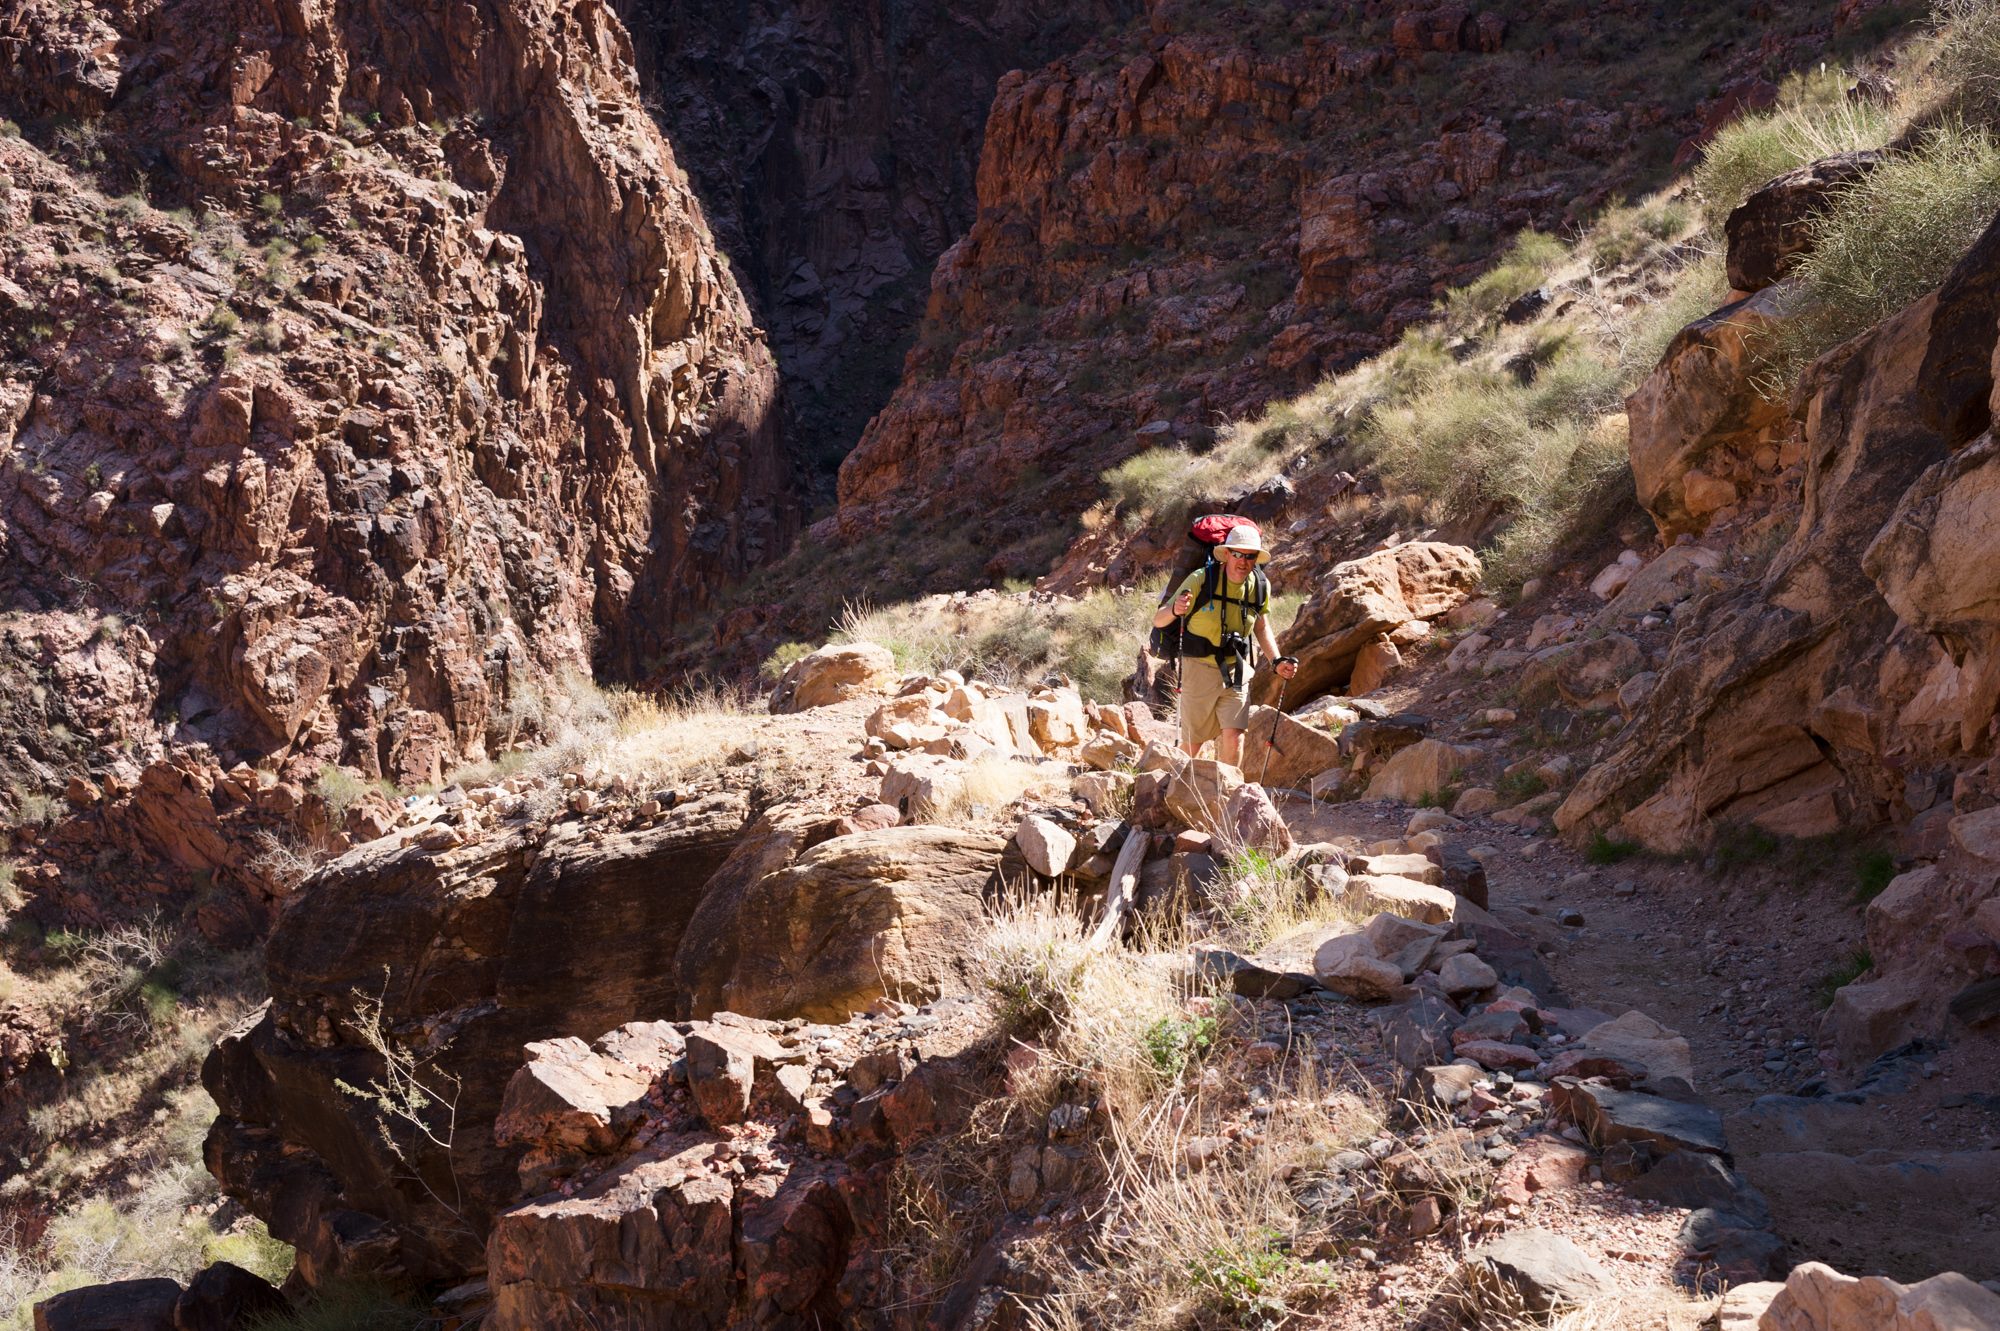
x=1904, y=1183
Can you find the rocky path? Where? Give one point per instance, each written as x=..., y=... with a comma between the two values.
x=1898, y=1176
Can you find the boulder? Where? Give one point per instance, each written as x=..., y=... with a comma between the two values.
x=1198, y=791
x=1466, y=974
x=1377, y=660
x=1473, y=801
x=1362, y=600
x=571, y=1095
x=835, y=673
x=1637, y=1038
x=1046, y=844
x=498, y=942
x=1700, y=409
x=1251, y=820
x=1348, y=966
x=1417, y=1032
x=1532, y=1271
x=1057, y=720
x=1662, y=584
x=891, y=912
x=225, y=1297
x=895, y=721
x=1107, y=750
x=1105, y=793
x=1286, y=752
x=1769, y=232
x=923, y=785
x=1608, y=1116
x=123, y=1305
x=1420, y=771
x=1405, y=897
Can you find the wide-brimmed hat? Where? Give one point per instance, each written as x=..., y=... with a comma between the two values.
x=1246, y=540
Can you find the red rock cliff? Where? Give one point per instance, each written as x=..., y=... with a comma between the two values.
x=365, y=368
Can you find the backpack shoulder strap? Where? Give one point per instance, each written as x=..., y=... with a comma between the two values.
x=1260, y=592
x=1210, y=576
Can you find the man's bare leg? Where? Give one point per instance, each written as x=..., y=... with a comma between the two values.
x=1229, y=747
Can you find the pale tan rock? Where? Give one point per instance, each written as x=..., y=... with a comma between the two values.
x=1818, y=1298
x=1374, y=664
x=1347, y=965
x=1198, y=794
x=1106, y=793
x=835, y=673
x=1057, y=722
x=1364, y=599
x=1743, y=1305
x=1398, y=865
x=1107, y=750
x=1046, y=844
x=1253, y=821
x=1640, y=1039
x=1704, y=494
x=1406, y=897
x=1283, y=751
x=895, y=720
x=923, y=785
x=1418, y=770
x=1473, y=801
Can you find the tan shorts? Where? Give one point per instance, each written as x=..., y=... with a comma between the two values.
x=1208, y=706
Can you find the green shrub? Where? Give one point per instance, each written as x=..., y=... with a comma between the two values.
x=779, y=661
x=1173, y=1043
x=1153, y=483
x=1814, y=118
x=1843, y=973
x=339, y=789
x=1624, y=234
x=351, y=1306
x=1698, y=289
x=1874, y=870
x=1527, y=264
x=1609, y=850
x=1887, y=239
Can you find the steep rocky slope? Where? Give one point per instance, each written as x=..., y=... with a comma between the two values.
x=364, y=372
x=1178, y=226
x=834, y=148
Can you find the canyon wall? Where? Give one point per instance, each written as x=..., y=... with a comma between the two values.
x=365, y=371
x=834, y=148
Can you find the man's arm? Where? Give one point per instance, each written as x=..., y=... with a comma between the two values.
x=1183, y=602
x=1267, y=642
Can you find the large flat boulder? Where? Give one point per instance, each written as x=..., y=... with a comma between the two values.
x=1423, y=770
x=124, y=1305
x=1280, y=751
x=1363, y=600
x=1608, y=1116
x=835, y=673
x=895, y=911
x=1818, y=1298
x=528, y=934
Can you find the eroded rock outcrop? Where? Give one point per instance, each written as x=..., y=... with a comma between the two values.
x=439, y=390
x=456, y=958
x=1850, y=684
x=1365, y=601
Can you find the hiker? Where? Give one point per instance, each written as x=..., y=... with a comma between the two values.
x=1223, y=612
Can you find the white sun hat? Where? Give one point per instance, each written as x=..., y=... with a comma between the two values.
x=1246, y=540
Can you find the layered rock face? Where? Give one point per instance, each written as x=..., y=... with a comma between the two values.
x=1856, y=683
x=401, y=376
x=1175, y=227
x=834, y=147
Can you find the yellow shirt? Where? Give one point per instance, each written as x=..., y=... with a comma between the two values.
x=1209, y=621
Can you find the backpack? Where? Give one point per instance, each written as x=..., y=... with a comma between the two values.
x=1204, y=534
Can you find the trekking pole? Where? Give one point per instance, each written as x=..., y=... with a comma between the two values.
x=1271, y=740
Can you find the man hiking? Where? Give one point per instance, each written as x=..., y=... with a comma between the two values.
x=1223, y=607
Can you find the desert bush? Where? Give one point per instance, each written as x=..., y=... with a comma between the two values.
x=1698, y=289
x=1887, y=239
x=1813, y=118
x=1623, y=234
x=1092, y=639
x=338, y=789
x=1527, y=264
x=349, y=1306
